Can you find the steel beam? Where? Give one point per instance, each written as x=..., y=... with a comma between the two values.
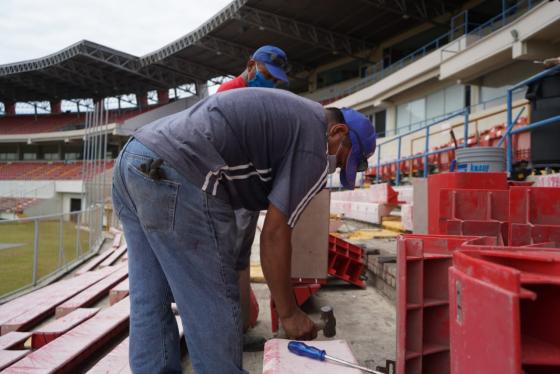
x=303, y=32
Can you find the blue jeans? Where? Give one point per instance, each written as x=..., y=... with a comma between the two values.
x=181, y=246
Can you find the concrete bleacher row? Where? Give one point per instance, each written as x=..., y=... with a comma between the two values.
x=16, y=204
x=31, y=340
x=48, y=170
x=30, y=124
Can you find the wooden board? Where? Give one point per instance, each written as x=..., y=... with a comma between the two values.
x=310, y=240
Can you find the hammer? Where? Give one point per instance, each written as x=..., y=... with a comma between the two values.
x=327, y=323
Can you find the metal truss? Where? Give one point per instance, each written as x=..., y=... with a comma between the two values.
x=303, y=32
x=226, y=14
x=422, y=10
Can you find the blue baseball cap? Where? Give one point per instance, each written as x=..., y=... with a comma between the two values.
x=274, y=59
x=363, y=138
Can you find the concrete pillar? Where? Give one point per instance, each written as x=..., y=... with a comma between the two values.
x=391, y=120
x=142, y=100
x=10, y=108
x=55, y=106
x=202, y=89
x=163, y=96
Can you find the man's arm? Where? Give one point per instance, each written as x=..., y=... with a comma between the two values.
x=276, y=256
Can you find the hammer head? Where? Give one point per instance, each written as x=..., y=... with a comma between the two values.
x=328, y=321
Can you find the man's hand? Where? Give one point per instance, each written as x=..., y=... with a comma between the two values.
x=299, y=326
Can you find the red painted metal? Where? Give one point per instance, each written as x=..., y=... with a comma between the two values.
x=302, y=292
x=437, y=182
x=504, y=308
x=535, y=215
x=14, y=340
x=70, y=350
x=346, y=261
x=92, y=294
x=422, y=300
x=474, y=212
x=53, y=330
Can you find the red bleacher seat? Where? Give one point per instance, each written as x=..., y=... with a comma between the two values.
x=43, y=170
x=29, y=124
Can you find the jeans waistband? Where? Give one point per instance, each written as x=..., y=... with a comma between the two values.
x=134, y=147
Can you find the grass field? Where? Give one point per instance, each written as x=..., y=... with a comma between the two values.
x=16, y=264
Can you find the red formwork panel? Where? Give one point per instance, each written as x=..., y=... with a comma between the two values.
x=92, y=294
x=456, y=180
x=28, y=310
x=58, y=327
x=474, y=212
x=14, y=340
x=504, y=308
x=66, y=353
x=423, y=302
x=534, y=215
x=346, y=261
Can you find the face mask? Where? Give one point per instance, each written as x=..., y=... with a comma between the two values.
x=332, y=160
x=260, y=81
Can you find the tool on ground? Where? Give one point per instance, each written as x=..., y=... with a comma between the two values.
x=302, y=349
x=327, y=323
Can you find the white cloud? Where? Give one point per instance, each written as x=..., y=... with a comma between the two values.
x=35, y=28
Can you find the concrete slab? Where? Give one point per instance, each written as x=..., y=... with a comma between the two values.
x=365, y=319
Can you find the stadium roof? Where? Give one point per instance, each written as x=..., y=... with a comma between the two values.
x=313, y=33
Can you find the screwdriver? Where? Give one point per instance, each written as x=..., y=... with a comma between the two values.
x=302, y=349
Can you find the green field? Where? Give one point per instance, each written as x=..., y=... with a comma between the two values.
x=16, y=264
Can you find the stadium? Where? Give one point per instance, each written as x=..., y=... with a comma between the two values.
x=434, y=78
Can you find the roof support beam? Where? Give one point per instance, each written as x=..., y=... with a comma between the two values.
x=419, y=10
x=303, y=32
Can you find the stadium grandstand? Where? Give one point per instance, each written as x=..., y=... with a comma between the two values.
x=430, y=74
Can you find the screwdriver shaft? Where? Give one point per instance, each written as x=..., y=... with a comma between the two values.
x=343, y=362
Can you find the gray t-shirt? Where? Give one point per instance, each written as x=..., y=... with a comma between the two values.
x=251, y=147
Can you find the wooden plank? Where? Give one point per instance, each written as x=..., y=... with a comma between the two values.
x=72, y=349
x=28, y=310
x=119, y=292
x=114, y=256
x=92, y=294
x=53, y=330
x=9, y=357
x=14, y=340
x=310, y=240
x=94, y=262
x=116, y=361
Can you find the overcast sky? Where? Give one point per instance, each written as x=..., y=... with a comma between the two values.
x=35, y=28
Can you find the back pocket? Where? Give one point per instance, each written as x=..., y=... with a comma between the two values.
x=154, y=200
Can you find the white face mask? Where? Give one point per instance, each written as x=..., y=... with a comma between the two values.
x=332, y=160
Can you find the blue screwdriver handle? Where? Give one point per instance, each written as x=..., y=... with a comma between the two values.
x=302, y=349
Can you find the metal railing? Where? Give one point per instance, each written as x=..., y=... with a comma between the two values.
x=35, y=249
x=502, y=19
x=510, y=131
x=426, y=153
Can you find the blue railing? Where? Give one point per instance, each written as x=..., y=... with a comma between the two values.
x=510, y=130
x=464, y=112
x=493, y=24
